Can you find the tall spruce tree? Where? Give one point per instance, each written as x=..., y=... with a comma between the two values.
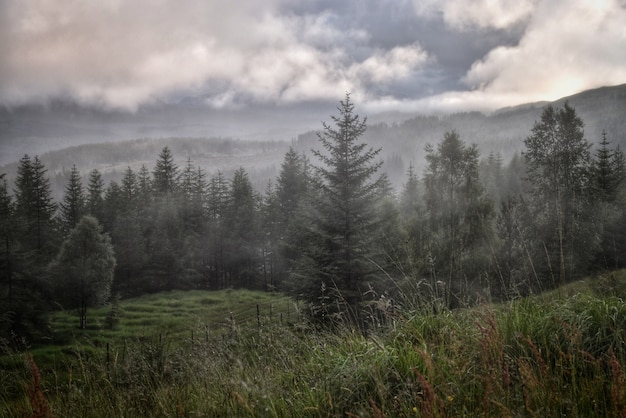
x=218, y=206
x=608, y=182
x=165, y=174
x=36, y=209
x=24, y=296
x=243, y=224
x=335, y=267
x=95, y=195
x=72, y=207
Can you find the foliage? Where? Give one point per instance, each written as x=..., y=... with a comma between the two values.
x=458, y=217
x=559, y=173
x=82, y=273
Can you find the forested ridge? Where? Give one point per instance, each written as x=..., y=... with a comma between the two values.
x=329, y=229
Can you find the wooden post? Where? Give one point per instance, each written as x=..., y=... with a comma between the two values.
x=258, y=316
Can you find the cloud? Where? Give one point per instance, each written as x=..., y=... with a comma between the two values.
x=122, y=54
x=411, y=54
x=471, y=14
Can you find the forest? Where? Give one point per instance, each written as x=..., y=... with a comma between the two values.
x=330, y=229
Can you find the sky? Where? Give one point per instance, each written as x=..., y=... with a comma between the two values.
x=405, y=55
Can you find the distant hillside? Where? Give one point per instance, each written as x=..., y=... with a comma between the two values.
x=402, y=137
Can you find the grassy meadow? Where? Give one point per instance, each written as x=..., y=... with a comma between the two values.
x=208, y=354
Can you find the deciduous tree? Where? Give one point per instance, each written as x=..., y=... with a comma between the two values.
x=82, y=273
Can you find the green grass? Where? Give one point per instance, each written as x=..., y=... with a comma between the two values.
x=557, y=354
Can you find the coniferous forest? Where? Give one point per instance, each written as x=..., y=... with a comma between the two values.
x=329, y=230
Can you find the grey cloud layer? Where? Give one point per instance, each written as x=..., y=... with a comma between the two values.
x=389, y=53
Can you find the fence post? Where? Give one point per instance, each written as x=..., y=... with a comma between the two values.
x=258, y=316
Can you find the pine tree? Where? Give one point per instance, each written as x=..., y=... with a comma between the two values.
x=218, y=206
x=410, y=194
x=243, y=228
x=336, y=260
x=95, y=191
x=36, y=208
x=271, y=220
x=144, y=189
x=608, y=171
x=23, y=293
x=7, y=254
x=608, y=182
x=73, y=206
x=165, y=174
x=129, y=192
x=291, y=185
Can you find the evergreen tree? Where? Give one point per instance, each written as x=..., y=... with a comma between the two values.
x=83, y=270
x=165, y=174
x=291, y=185
x=243, y=228
x=95, y=192
x=144, y=189
x=218, y=206
x=271, y=244
x=559, y=173
x=113, y=205
x=129, y=192
x=7, y=237
x=608, y=181
x=410, y=194
x=36, y=208
x=193, y=196
x=73, y=206
x=336, y=261
x=23, y=293
x=608, y=171
x=129, y=247
x=283, y=206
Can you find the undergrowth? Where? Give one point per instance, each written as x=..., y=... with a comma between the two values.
x=542, y=357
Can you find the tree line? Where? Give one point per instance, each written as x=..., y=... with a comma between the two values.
x=331, y=231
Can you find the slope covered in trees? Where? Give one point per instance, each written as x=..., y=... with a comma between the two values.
x=330, y=229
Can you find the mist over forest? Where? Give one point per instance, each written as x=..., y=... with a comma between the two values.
x=64, y=134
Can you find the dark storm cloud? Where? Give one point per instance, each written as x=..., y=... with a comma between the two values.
x=392, y=54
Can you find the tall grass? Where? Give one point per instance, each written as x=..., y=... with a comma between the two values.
x=530, y=357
